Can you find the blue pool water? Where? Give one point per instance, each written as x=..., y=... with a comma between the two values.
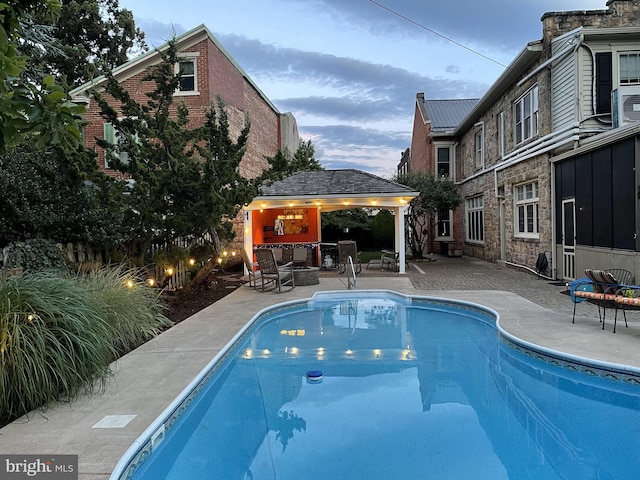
x=410, y=389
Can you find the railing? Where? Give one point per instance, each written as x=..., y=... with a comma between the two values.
x=353, y=272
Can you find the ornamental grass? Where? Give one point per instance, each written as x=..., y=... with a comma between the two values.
x=59, y=333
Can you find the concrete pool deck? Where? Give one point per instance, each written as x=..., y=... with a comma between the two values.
x=145, y=381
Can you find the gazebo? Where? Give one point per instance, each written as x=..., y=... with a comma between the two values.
x=287, y=212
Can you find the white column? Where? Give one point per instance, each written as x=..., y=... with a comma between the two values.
x=248, y=235
x=399, y=245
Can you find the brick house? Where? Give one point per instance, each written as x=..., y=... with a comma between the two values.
x=208, y=72
x=433, y=149
x=546, y=159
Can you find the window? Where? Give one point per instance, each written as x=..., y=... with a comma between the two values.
x=630, y=68
x=526, y=115
x=188, y=76
x=526, y=210
x=118, y=140
x=112, y=136
x=500, y=128
x=444, y=164
x=444, y=220
x=479, y=145
x=475, y=219
x=187, y=67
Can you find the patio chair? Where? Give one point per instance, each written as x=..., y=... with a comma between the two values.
x=626, y=299
x=604, y=288
x=299, y=258
x=271, y=272
x=250, y=266
x=346, y=249
x=278, y=253
x=390, y=260
x=387, y=261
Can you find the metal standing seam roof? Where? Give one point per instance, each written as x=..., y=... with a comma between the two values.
x=333, y=182
x=446, y=115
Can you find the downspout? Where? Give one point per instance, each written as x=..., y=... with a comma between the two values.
x=554, y=237
x=561, y=54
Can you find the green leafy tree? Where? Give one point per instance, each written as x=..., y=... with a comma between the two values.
x=58, y=195
x=352, y=223
x=87, y=39
x=284, y=164
x=436, y=195
x=25, y=105
x=383, y=229
x=348, y=218
x=184, y=182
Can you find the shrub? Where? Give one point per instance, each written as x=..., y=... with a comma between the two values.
x=59, y=333
x=132, y=309
x=37, y=254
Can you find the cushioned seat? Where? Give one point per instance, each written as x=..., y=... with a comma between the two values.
x=603, y=292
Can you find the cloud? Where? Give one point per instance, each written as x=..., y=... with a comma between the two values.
x=369, y=91
x=343, y=146
x=158, y=33
x=496, y=25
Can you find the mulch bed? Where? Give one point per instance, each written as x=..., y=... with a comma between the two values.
x=181, y=306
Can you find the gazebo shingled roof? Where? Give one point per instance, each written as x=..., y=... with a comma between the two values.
x=333, y=182
x=329, y=190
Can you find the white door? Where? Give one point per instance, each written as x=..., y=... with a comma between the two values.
x=569, y=239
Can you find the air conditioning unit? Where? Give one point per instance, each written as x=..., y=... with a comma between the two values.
x=625, y=105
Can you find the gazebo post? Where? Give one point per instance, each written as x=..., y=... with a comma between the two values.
x=399, y=245
x=248, y=235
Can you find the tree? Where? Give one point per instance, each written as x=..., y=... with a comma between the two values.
x=383, y=228
x=437, y=195
x=284, y=164
x=26, y=106
x=184, y=182
x=87, y=39
x=53, y=194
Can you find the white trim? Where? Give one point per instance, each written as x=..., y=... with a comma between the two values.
x=525, y=202
x=501, y=135
x=184, y=58
x=533, y=115
x=480, y=211
x=479, y=152
x=444, y=238
x=451, y=147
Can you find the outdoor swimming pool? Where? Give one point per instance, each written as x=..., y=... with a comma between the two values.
x=411, y=387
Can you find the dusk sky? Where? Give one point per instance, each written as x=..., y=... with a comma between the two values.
x=349, y=70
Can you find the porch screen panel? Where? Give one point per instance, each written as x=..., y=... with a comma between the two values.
x=602, y=199
x=584, y=199
x=623, y=195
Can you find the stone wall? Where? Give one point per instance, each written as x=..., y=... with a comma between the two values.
x=618, y=13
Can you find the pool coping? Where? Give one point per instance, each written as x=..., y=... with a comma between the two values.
x=145, y=444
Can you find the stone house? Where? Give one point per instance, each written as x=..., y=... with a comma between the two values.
x=208, y=72
x=546, y=159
